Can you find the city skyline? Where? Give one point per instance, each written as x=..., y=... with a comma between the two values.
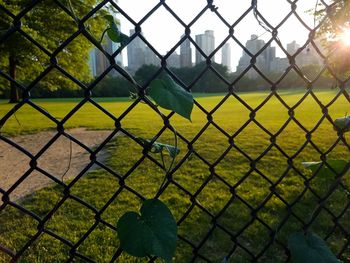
x=138, y=54
x=166, y=36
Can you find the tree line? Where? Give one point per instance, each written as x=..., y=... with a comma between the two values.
x=197, y=78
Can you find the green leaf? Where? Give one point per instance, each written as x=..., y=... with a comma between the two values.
x=342, y=124
x=114, y=33
x=109, y=19
x=158, y=147
x=168, y=95
x=124, y=39
x=152, y=232
x=172, y=150
x=325, y=172
x=310, y=248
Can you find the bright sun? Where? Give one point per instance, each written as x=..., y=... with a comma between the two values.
x=345, y=37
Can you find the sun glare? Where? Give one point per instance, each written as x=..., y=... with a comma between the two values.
x=345, y=37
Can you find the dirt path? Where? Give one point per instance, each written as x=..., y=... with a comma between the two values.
x=13, y=163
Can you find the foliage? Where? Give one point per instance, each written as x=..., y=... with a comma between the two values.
x=310, y=248
x=331, y=168
x=209, y=82
x=112, y=86
x=113, y=31
x=335, y=21
x=158, y=147
x=167, y=94
x=144, y=74
x=48, y=24
x=152, y=232
x=342, y=124
x=337, y=18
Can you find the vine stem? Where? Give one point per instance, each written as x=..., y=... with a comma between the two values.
x=319, y=207
x=154, y=107
x=150, y=103
x=167, y=171
x=103, y=34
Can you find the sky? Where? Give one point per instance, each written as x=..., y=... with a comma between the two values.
x=163, y=31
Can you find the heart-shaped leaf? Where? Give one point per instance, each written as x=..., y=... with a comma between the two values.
x=342, y=124
x=168, y=95
x=153, y=232
x=114, y=33
x=310, y=248
x=325, y=172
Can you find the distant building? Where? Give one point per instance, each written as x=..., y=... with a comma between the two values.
x=269, y=55
x=174, y=60
x=185, y=54
x=92, y=62
x=267, y=61
x=99, y=62
x=150, y=57
x=136, y=53
x=206, y=42
x=226, y=56
x=292, y=47
x=279, y=65
x=263, y=61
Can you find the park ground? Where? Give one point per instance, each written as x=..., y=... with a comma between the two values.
x=209, y=177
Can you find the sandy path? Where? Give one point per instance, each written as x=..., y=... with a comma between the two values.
x=13, y=163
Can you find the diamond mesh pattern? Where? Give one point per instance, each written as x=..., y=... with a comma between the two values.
x=215, y=224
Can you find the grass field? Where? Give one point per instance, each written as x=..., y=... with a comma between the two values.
x=72, y=219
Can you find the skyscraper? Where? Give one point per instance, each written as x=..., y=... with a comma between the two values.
x=185, y=54
x=98, y=61
x=292, y=47
x=174, y=60
x=269, y=54
x=150, y=57
x=206, y=42
x=253, y=45
x=226, y=56
x=264, y=61
x=102, y=63
x=136, y=53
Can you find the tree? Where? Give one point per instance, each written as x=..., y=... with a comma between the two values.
x=208, y=82
x=50, y=26
x=145, y=73
x=335, y=25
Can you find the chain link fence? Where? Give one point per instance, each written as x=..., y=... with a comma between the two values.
x=239, y=223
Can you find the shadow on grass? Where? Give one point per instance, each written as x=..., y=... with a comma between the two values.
x=225, y=213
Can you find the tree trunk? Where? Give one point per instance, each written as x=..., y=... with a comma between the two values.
x=14, y=95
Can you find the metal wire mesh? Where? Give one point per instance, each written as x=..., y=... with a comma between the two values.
x=236, y=242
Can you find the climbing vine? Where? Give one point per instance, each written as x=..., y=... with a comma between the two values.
x=308, y=247
x=153, y=231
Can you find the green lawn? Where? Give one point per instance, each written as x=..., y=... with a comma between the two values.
x=72, y=219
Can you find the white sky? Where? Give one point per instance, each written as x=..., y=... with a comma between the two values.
x=163, y=31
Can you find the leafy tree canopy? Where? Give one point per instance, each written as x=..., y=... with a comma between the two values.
x=49, y=25
x=335, y=21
